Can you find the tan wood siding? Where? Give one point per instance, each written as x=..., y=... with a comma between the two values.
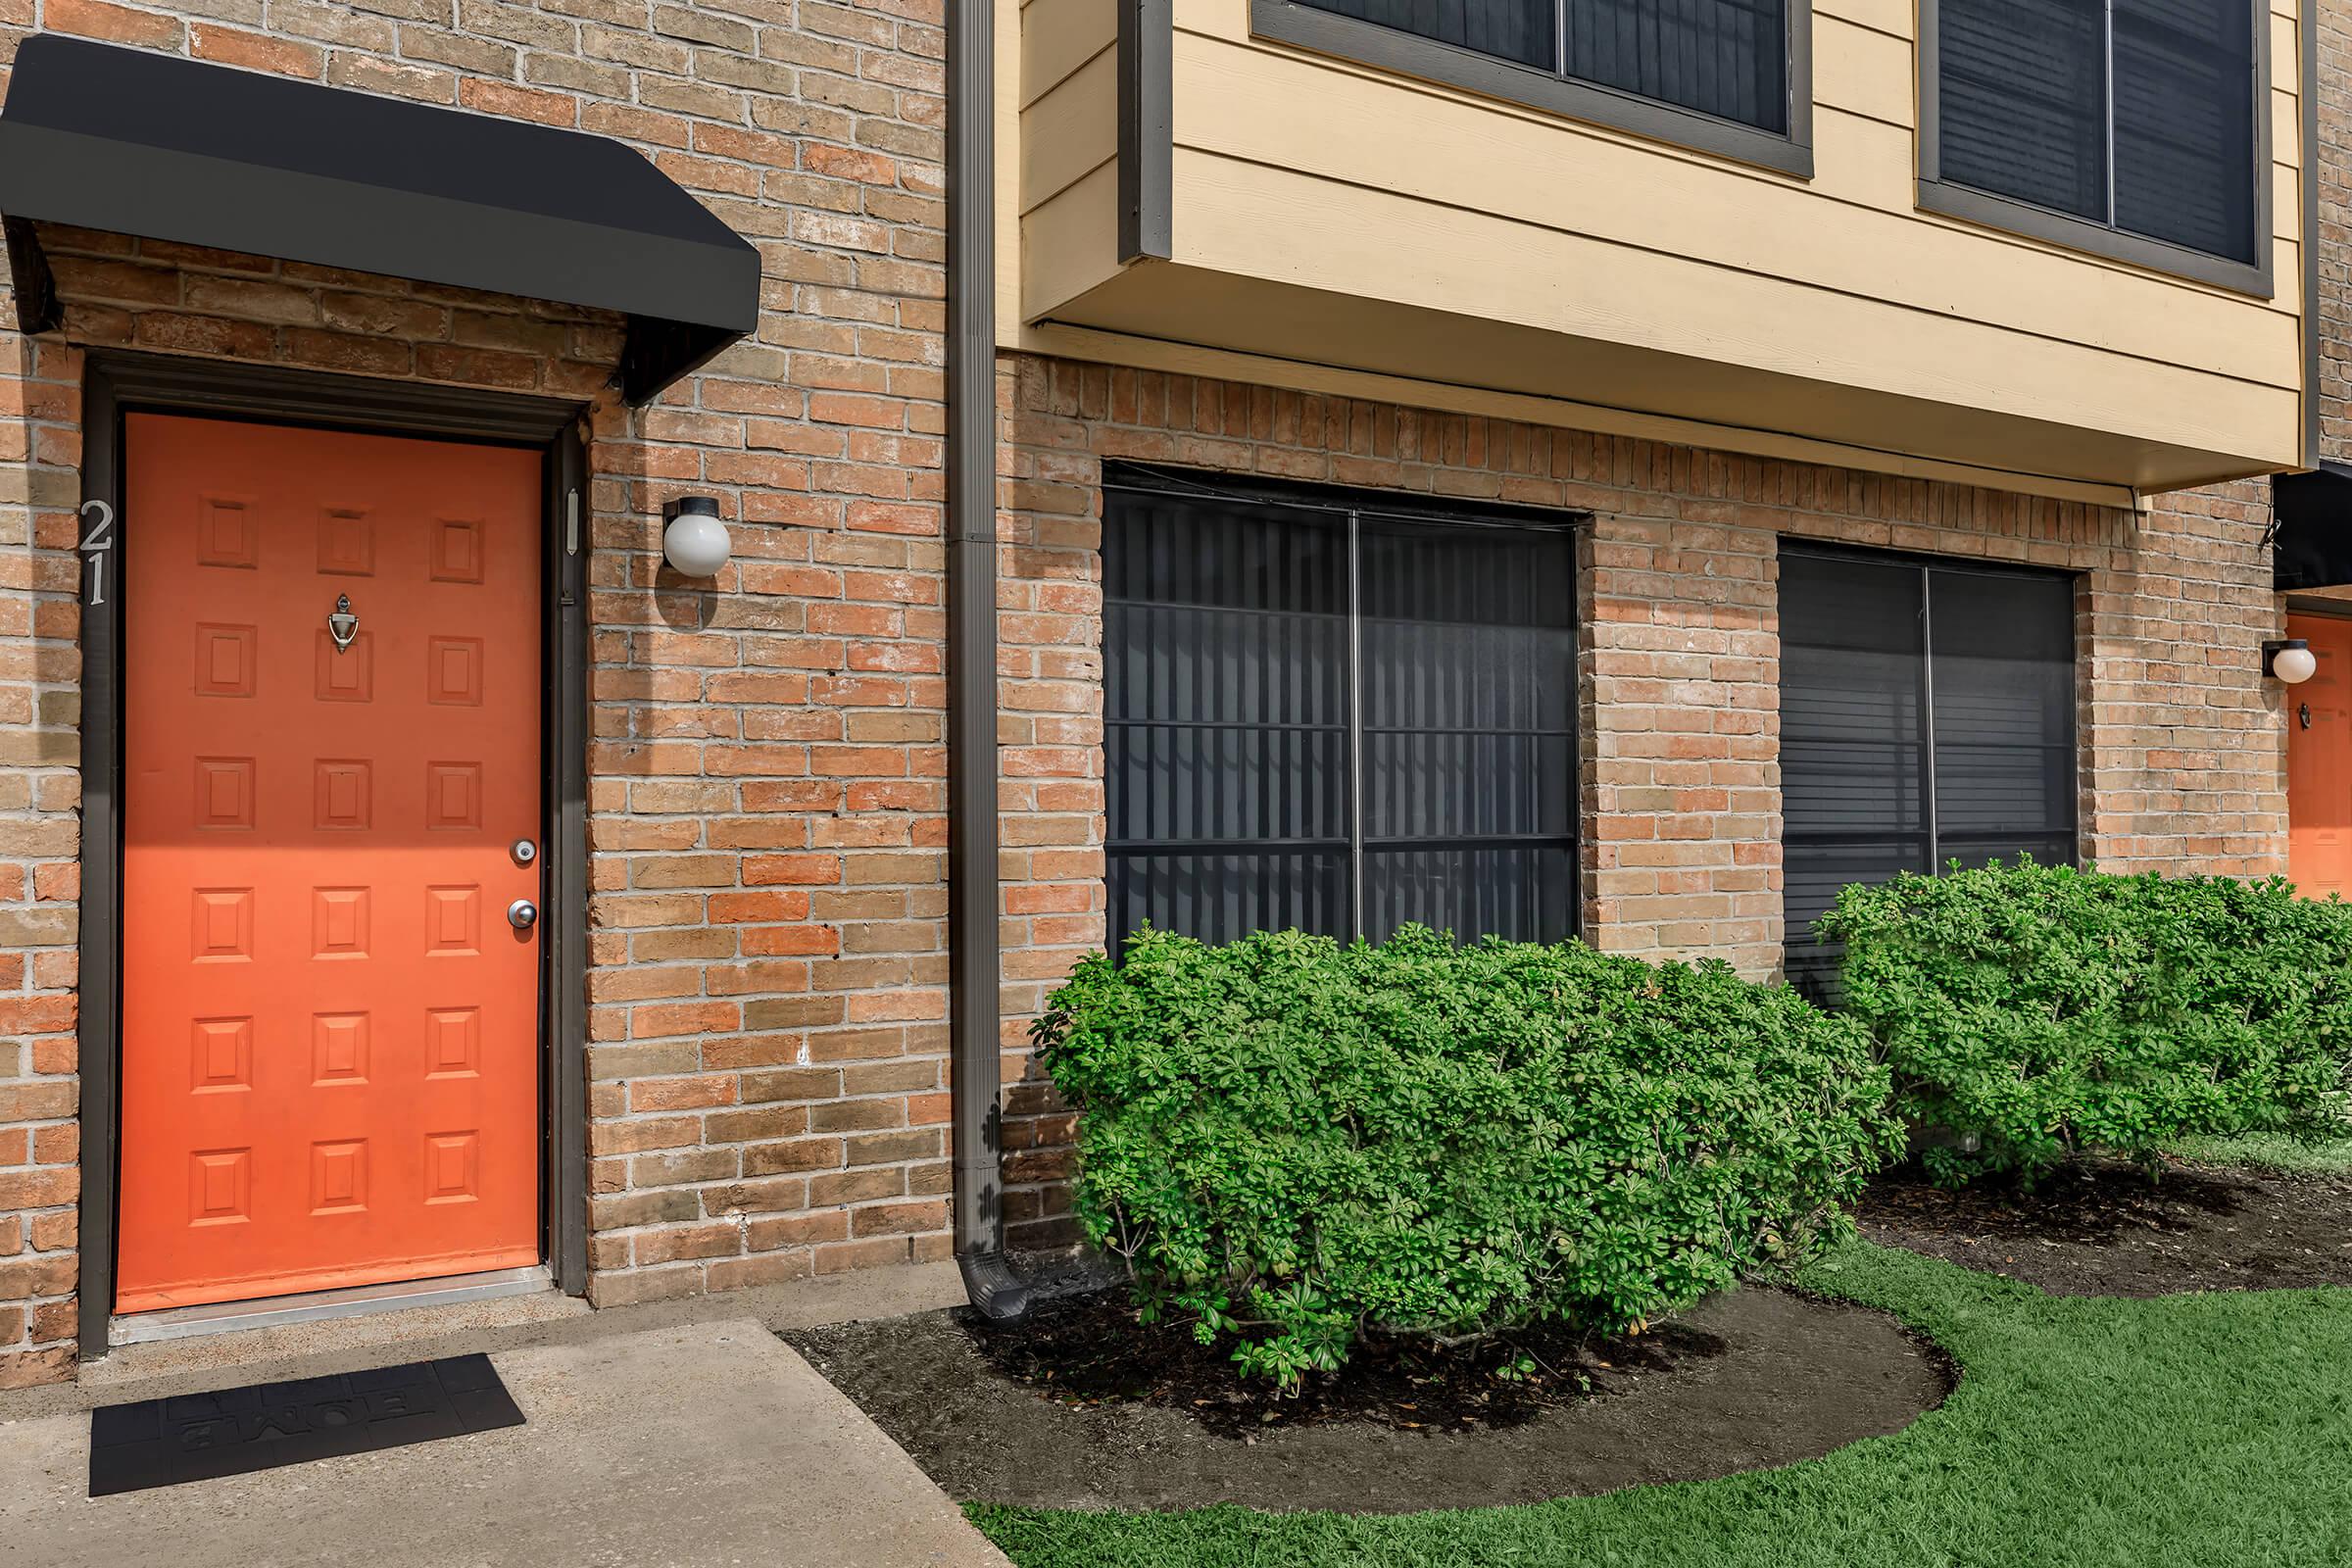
x=1064, y=153
x=1241, y=104
x=1070, y=244
x=1343, y=205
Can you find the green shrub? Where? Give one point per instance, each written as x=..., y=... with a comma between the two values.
x=2046, y=1010
x=1294, y=1142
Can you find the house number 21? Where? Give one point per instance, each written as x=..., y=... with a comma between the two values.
x=96, y=543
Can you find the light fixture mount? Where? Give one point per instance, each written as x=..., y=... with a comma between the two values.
x=695, y=539
x=2289, y=661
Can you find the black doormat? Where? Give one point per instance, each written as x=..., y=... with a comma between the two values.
x=161, y=1443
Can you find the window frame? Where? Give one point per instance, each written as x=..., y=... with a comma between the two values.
x=1352, y=504
x=2032, y=221
x=1927, y=564
x=1369, y=43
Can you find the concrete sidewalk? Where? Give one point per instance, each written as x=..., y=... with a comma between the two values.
x=690, y=1444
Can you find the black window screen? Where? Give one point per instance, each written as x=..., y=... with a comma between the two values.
x=1725, y=58
x=2138, y=115
x=1336, y=719
x=1926, y=714
x=1524, y=30
x=2022, y=107
x=2185, y=123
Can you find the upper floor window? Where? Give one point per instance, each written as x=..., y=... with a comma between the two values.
x=2128, y=128
x=1726, y=76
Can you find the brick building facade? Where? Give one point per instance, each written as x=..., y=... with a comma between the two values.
x=767, y=973
x=767, y=985
x=2182, y=756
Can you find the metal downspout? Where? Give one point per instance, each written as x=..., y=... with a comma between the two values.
x=975, y=1065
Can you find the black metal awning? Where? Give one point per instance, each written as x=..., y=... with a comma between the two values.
x=167, y=148
x=2312, y=513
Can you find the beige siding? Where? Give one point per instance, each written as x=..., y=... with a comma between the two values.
x=1339, y=214
x=1057, y=37
x=1066, y=154
x=1454, y=157
x=1070, y=243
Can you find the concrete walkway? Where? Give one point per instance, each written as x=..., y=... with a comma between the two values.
x=693, y=1443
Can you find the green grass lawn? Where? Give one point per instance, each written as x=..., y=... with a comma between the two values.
x=2270, y=1152
x=2210, y=1430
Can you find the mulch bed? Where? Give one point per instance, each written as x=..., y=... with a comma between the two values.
x=1086, y=1351
x=2102, y=1228
x=1078, y=1408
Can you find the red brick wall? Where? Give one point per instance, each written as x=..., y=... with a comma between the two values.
x=767, y=917
x=2185, y=739
x=2183, y=758
x=2334, y=168
x=40, y=880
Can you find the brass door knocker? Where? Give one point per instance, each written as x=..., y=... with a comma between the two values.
x=342, y=625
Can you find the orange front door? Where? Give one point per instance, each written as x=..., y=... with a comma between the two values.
x=330, y=1066
x=2319, y=762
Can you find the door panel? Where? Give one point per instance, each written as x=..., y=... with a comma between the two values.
x=2319, y=762
x=330, y=1064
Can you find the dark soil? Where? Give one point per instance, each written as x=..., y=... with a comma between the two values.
x=1078, y=1408
x=1089, y=1350
x=2102, y=1228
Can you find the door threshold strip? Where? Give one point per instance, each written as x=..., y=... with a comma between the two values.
x=316, y=1307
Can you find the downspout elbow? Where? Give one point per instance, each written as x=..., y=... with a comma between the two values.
x=995, y=1291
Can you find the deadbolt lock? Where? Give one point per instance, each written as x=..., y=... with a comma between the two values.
x=524, y=851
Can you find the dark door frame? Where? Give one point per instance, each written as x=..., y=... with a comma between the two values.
x=114, y=384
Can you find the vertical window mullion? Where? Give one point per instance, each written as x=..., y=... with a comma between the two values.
x=2107, y=90
x=1355, y=724
x=1927, y=721
x=1280, y=762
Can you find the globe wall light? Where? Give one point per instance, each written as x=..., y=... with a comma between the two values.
x=696, y=541
x=2289, y=661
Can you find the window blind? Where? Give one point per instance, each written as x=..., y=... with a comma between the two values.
x=2138, y=114
x=1337, y=719
x=1225, y=714
x=1524, y=30
x=2185, y=123
x=1926, y=714
x=1725, y=58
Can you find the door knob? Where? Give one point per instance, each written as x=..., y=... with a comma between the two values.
x=522, y=914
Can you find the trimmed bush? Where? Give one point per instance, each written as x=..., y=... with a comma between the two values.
x=1293, y=1143
x=2045, y=1010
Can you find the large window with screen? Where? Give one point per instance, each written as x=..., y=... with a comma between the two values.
x=1926, y=714
x=1335, y=714
x=2131, y=127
